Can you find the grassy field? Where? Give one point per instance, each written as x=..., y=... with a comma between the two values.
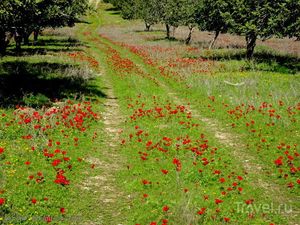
x=109, y=124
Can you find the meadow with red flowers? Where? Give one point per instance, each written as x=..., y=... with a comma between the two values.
x=150, y=132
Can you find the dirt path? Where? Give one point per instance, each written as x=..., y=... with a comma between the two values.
x=109, y=196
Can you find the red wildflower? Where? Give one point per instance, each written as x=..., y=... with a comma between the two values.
x=27, y=163
x=48, y=219
x=145, y=195
x=177, y=163
x=2, y=201
x=201, y=211
x=33, y=201
x=222, y=180
x=226, y=219
x=217, y=172
x=145, y=182
x=1, y=150
x=249, y=201
x=240, y=178
x=56, y=162
x=218, y=201
x=165, y=171
x=278, y=161
x=62, y=210
x=290, y=185
x=165, y=208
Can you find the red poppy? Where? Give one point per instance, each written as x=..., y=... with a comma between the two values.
x=222, y=180
x=2, y=201
x=165, y=171
x=165, y=208
x=226, y=219
x=1, y=150
x=48, y=219
x=218, y=201
x=201, y=211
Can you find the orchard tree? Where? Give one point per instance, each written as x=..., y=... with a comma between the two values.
x=6, y=15
x=260, y=19
x=287, y=21
x=212, y=16
x=21, y=18
x=128, y=9
x=188, y=16
x=148, y=11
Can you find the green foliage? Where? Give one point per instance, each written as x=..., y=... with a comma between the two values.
x=38, y=100
x=23, y=17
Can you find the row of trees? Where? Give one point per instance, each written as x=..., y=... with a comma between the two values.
x=21, y=18
x=253, y=19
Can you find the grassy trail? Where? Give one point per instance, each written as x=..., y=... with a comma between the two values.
x=145, y=80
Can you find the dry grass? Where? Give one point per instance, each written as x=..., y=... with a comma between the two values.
x=136, y=35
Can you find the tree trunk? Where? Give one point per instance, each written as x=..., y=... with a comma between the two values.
x=35, y=36
x=2, y=43
x=168, y=31
x=26, y=38
x=18, y=39
x=189, y=37
x=148, y=26
x=212, y=43
x=251, y=43
x=173, y=32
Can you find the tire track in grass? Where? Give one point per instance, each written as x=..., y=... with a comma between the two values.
x=110, y=199
x=110, y=162
x=227, y=139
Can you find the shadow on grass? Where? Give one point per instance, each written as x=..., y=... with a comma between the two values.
x=46, y=45
x=112, y=9
x=170, y=39
x=39, y=51
x=66, y=42
x=265, y=60
x=43, y=82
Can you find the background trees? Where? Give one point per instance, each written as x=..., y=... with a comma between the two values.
x=252, y=19
x=21, y=18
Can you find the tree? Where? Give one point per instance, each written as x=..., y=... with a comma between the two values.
x=188, y=16
x=23, y=17
x=288, y=19
x=211, y=16
x=260, y=19
x=147, y=11
x=6, y=16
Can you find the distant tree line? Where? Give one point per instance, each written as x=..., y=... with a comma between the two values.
x=253, y=19
x=20, y=18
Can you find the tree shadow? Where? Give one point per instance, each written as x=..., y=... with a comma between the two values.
x=46, y=45
x=41, y=83
x=112, y=9
x=39, y=51
x=264, y=61
x=170, y=39
x=66, y=42
x=151, y=31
